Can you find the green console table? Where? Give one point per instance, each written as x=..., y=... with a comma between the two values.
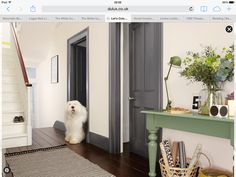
x=206, y=125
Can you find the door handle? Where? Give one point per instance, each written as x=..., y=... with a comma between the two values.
x=131, y=98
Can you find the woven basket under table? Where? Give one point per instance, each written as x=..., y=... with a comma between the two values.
x=176, y=171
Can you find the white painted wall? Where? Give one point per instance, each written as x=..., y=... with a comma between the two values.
x=52, y=97
x=178, y=39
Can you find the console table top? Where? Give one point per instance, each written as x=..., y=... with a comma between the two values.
x=189, y=115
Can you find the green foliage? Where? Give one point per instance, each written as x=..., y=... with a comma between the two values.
x=209, y=67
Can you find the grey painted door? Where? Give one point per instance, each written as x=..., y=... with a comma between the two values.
x=145, y=80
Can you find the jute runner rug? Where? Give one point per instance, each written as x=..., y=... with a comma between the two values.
x=53, y=162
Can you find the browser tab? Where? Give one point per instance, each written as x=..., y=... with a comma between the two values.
x=144, y=18
x=118, y=18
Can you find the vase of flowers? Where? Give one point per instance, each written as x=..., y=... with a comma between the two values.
x=213, y=70
x=208, y=97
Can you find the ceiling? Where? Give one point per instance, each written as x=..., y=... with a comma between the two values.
x=35, y=41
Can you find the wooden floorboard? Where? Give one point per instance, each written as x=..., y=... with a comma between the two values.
x=46, y=138
x=121, y=165
x=55, y=135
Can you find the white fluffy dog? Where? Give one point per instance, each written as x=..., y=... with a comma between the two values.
x=76, y=116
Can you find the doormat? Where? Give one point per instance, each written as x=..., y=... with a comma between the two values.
x=57, y=161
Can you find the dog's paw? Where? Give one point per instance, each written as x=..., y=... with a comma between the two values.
x=67, y=139
x=73, y=141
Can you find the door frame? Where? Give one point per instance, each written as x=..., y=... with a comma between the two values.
x=114, y=88
x=73, y=40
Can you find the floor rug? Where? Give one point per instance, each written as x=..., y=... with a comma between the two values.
x=53, y=162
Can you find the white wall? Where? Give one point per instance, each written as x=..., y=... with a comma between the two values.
x=52, y=97
x=178, y=39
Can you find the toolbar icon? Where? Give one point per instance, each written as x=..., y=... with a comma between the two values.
x=229, y=8
x=33, y=9
x=216, y=9
x=191, y=9
x=203, y=8
x=20, y=9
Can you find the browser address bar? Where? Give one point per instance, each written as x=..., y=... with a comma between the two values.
x=70, y=9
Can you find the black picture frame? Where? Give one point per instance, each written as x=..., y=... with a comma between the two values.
x=54, y=69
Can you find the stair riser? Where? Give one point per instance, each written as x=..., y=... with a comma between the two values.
x=9, y=64
x=14, y=129
x=9, y=79
x=9, y=52
x=8, y=59
x=10, y=72
x=10, y=116
x=11, y=109
x=10, y=97
x=9, y=67
x=10, y=88
x=15, y=142
x=12, y=106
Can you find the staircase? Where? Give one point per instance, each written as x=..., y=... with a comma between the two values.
x=15, y=97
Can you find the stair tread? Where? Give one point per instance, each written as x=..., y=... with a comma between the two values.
x=12, y=101
x=8, y=82
x=10, y=86
x=9, y=75
x=5, y=74
x=12, y=123
x=12, y=112
x=11, y=83
x=6, y=136
x=10, y=91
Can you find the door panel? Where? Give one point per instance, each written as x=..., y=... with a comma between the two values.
x=145, y=80
x=136, y=140
x=150, y=58
x=139, y=59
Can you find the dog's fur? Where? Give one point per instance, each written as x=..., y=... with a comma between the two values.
x=76, y=116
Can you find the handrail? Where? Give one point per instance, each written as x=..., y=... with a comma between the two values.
x=22, y=65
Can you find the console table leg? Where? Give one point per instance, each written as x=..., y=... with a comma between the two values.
x=152, y=151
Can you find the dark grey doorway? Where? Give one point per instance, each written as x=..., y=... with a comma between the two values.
x=79, y=58
x=78, y=70
x=145, y=46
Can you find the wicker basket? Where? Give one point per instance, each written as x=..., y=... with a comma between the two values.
x=176, y=171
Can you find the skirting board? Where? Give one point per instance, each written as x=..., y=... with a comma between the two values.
x=99, y=141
